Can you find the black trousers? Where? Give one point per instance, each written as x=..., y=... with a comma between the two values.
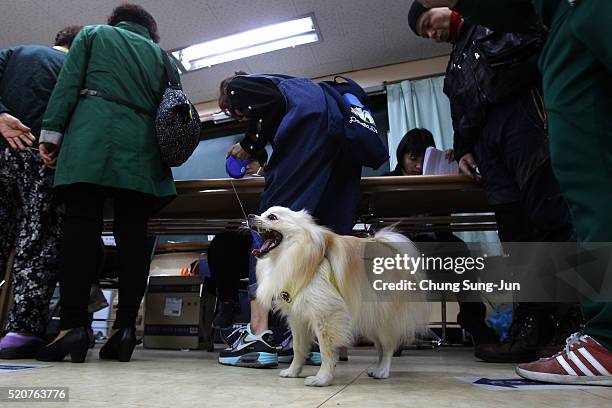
x=80, y=248
x=513, y=157
x=228, y=261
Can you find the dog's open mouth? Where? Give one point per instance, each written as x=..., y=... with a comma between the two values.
x=271, y=239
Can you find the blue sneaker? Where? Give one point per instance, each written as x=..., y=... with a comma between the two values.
x=249, y=350
x=285, y=352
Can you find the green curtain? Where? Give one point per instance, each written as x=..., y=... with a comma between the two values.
x=419, y=104
x=423, y=104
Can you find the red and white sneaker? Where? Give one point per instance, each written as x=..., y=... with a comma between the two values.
x=583, y=361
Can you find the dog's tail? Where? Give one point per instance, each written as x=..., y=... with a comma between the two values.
x=413, y=311
x=389, y=234
x=399, y=242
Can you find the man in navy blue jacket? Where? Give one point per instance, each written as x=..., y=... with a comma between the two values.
x=321, y=138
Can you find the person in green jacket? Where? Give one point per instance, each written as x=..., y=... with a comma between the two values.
x=576, y=66
x=107, y=150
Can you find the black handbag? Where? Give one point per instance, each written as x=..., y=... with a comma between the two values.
x=177, y=123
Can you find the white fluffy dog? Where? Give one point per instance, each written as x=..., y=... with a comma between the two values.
x=317, y=279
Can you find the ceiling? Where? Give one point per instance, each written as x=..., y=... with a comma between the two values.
x=357, y=34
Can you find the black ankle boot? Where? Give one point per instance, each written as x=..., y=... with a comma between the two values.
x=120, y=346
x=75, y=343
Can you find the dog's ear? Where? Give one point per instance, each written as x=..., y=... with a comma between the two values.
x=304, y=214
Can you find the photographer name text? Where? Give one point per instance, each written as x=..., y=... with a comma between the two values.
x=427, y=285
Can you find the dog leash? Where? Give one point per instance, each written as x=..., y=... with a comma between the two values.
x=257, y=240
x=239, y=202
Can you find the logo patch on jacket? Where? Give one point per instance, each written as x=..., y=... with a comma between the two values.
x=363, y=117
x=359, y=113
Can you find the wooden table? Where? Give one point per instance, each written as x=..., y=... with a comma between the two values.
x=210, y=206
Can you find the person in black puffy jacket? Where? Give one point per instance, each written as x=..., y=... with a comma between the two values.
x=500, y=139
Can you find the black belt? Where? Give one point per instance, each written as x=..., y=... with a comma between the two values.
x=112, y=98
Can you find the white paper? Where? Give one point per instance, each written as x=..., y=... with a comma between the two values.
x=435, y=163
x=109, y=240
x=173, y=307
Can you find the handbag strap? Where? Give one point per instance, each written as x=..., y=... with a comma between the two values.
x=173, y=80
x=115, y=99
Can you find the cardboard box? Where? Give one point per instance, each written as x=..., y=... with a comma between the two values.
x=140, y=320
x=174, y=312
x=103, y=319
x=172, y=263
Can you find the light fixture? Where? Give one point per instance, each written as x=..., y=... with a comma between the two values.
x=248, y=43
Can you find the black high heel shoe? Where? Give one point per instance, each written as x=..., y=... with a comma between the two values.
x=120, y=346
x=75, y=343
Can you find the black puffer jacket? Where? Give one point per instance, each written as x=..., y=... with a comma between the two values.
x=487, y=68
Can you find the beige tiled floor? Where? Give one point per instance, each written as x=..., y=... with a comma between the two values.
x=422, y=379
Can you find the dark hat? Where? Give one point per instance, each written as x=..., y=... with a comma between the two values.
x=413, y=15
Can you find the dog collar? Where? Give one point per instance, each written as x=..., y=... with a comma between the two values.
x=288, y=294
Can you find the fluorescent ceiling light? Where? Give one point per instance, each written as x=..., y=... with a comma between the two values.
x=248, y=43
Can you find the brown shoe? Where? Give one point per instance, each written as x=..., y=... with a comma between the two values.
x=525, y=338
x=504, y=353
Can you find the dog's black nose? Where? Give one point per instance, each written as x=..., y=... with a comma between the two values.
x=251, y=217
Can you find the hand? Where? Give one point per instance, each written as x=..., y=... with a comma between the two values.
x=48, y=153
x=16, y=133
x=468, y=166
x=238, y=152
x=254, y=168
x=450, y=155
x=438, y=3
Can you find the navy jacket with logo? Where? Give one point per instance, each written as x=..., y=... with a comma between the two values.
x=319, y=147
